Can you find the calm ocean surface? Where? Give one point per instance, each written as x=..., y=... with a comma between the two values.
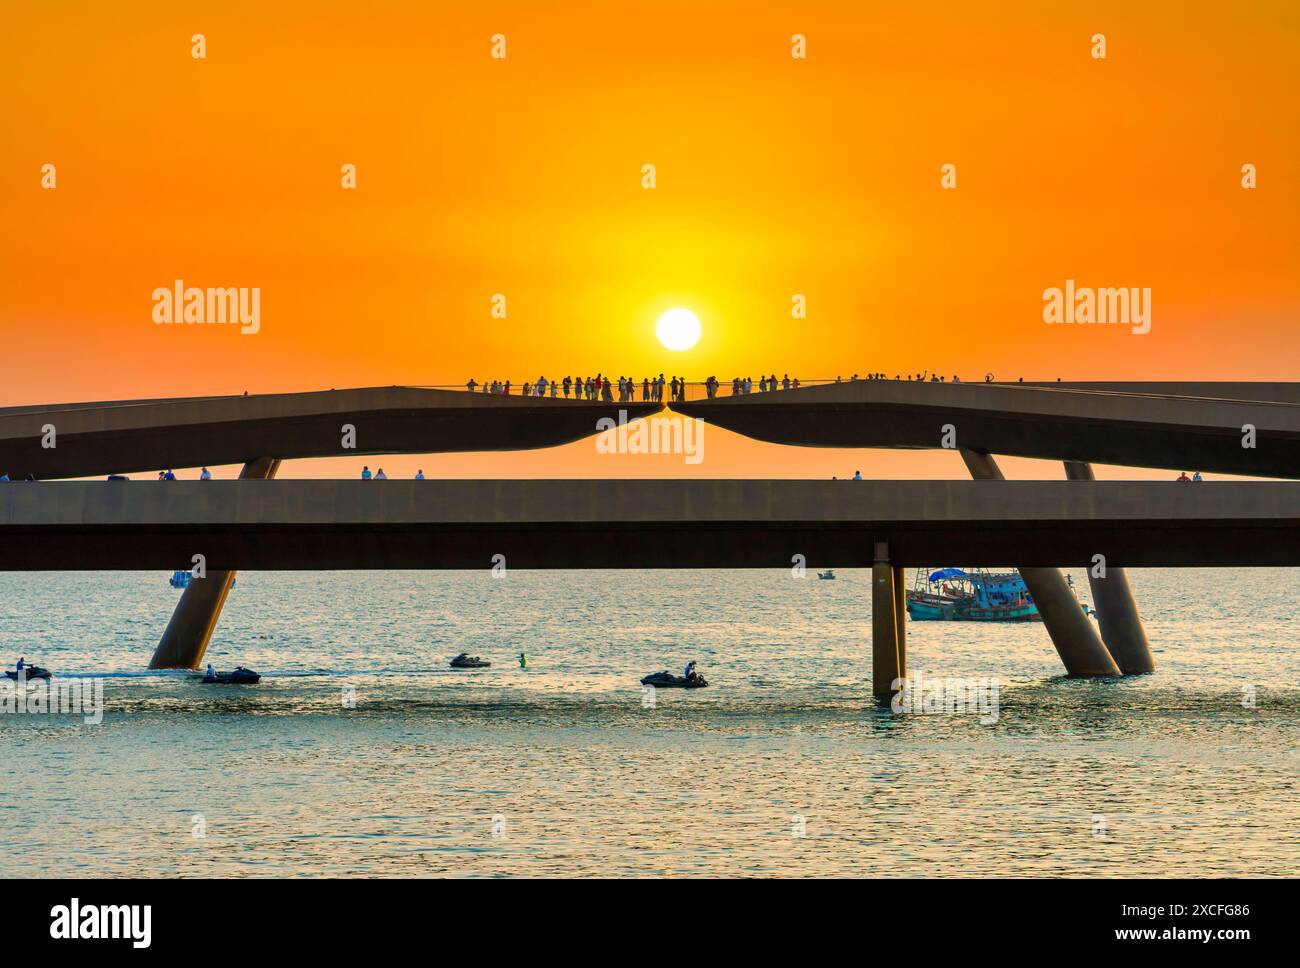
x=560, y=770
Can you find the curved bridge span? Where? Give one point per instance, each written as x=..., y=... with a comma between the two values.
x=1180, y=426
x=123, y=437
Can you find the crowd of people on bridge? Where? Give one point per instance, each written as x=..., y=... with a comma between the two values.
x=592, y=388
x=652, y=389
x=624, y=389
x=379, y=475
x=923, y=377
x=742, y=385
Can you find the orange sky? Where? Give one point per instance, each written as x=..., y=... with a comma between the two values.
x=523, y=176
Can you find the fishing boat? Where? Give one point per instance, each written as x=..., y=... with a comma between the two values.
x=183, y=577
x=956, y=595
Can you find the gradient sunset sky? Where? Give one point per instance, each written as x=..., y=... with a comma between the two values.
x=523, y=176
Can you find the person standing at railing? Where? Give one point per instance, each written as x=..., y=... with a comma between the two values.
x=471, y=385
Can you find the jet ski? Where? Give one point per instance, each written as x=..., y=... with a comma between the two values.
x=239, y=677
x=666, y=680
x=467, y=661
x=31, y=672
x=826, y=575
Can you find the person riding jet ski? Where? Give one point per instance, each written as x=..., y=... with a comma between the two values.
x=25, y=671
x=237, y=677
x=466, y=661
x=666, y=680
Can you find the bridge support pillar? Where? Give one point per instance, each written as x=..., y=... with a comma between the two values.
x=1071, y=631
x=190, y=629
x=900, y=617
x=1117, y=611
x=886, y=661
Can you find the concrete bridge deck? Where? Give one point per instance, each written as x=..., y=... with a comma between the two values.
x=1136, y=425
x=129, y=436
x=1178, y=426
x=331, y=524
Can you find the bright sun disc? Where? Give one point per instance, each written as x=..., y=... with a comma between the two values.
x=678, y=329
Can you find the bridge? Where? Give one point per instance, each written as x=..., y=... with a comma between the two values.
x=1238, y=428
x=1184, y=426
x=464, y=524
x=129, y=436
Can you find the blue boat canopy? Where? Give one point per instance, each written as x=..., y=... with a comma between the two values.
x=943, y=574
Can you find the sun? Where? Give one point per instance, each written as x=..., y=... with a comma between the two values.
x=678, y=329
